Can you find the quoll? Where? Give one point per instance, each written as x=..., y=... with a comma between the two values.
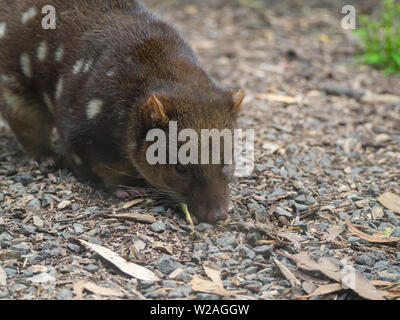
x=111, y=71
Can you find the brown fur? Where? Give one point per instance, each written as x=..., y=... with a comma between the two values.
x=157, y=78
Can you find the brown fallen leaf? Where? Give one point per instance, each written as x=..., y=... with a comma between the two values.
x=333, y=233
x=160, y=246
x=137, y=217
x=132, y=269
x=321, y=290
x=288, y=274
x=215, y=286
x=132, y=203
x=200, y=285
x=347, y=277
x=107, y=292
x=214, y=275
x=390, y=201
x=63, y=204
x=78, y=289
x=379, y=238
x=277, y=98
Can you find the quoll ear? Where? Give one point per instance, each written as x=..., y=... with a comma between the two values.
x=154, y=112
x=237, y=98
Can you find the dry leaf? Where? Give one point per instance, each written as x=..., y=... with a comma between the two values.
x=63, y=204
x=175, y=273
x=132, y=203
x=377, y=212
x=200, y=285
x=379, y=238
x=166, y=248
x=38, y=269
x=38, y=222
x=324, y=289
x=390, y=201
x=277, y=98
x=129, y=268
x=288, y=274
x=348, y=277
x=78, y=289
x=108, y=292
x=214, y=275
x=3, y=277
x=137, y=217
x=334, y=232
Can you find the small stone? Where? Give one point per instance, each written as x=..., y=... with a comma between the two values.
x=35, y=203
x=382, y=264
x=226, y=240
x=64, y=294
x=265, y=250
x=282, y=212
x=73, y=247
x=167, y=264
x=207, y=296
x=158, y=227
x=78, y=228
x=245, y=252
x=27, y=230
x=365, y=260
x=5, y=236
x=92, y=268
x=301, y=199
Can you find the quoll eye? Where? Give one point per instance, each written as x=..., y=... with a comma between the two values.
x=180, y=169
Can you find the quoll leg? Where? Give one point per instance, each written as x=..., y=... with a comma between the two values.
x=30, y=122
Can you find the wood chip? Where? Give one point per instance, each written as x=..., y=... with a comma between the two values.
x=321, y=290
x=63, y=204
x=132, y=269
x=132, y=203
x=163, y=247
x=3, y=278
x=378, y=238
x=288, y=274
x=390, y=201
x=137, y=217
x=107, y=292
x=277, y=98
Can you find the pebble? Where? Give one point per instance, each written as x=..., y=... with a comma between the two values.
x=167, y=264
x=158, y=227
x=226, y=240
x=73, y=247
x=34, y=203
x=92, y=268
x=207, y=296
x=282, y=212
x=245, y=252
x=64, y=294
x=78, y=228
x=264, y=250
x=365, y=260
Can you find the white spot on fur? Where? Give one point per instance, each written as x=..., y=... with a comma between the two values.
x=110, y=73
x=42, y=51
x=87, y=65
x=77, y=159
x=26, y=67
x=8, y=80
x=59, y=88
x=28, y=15
x=2, y=29
x=59, y=55
x=47, y=101
x=13, y=101
x=94, y=108
x=77, y=67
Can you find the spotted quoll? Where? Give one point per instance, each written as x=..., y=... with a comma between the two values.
x=108, y=73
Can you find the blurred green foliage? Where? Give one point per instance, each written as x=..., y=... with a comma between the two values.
x=380, y=38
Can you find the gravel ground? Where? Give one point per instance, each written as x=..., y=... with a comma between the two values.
x=327, y=146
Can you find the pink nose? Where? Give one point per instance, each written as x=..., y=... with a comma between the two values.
x=217, y=215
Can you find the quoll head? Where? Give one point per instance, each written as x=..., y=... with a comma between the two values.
x=203, y=187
